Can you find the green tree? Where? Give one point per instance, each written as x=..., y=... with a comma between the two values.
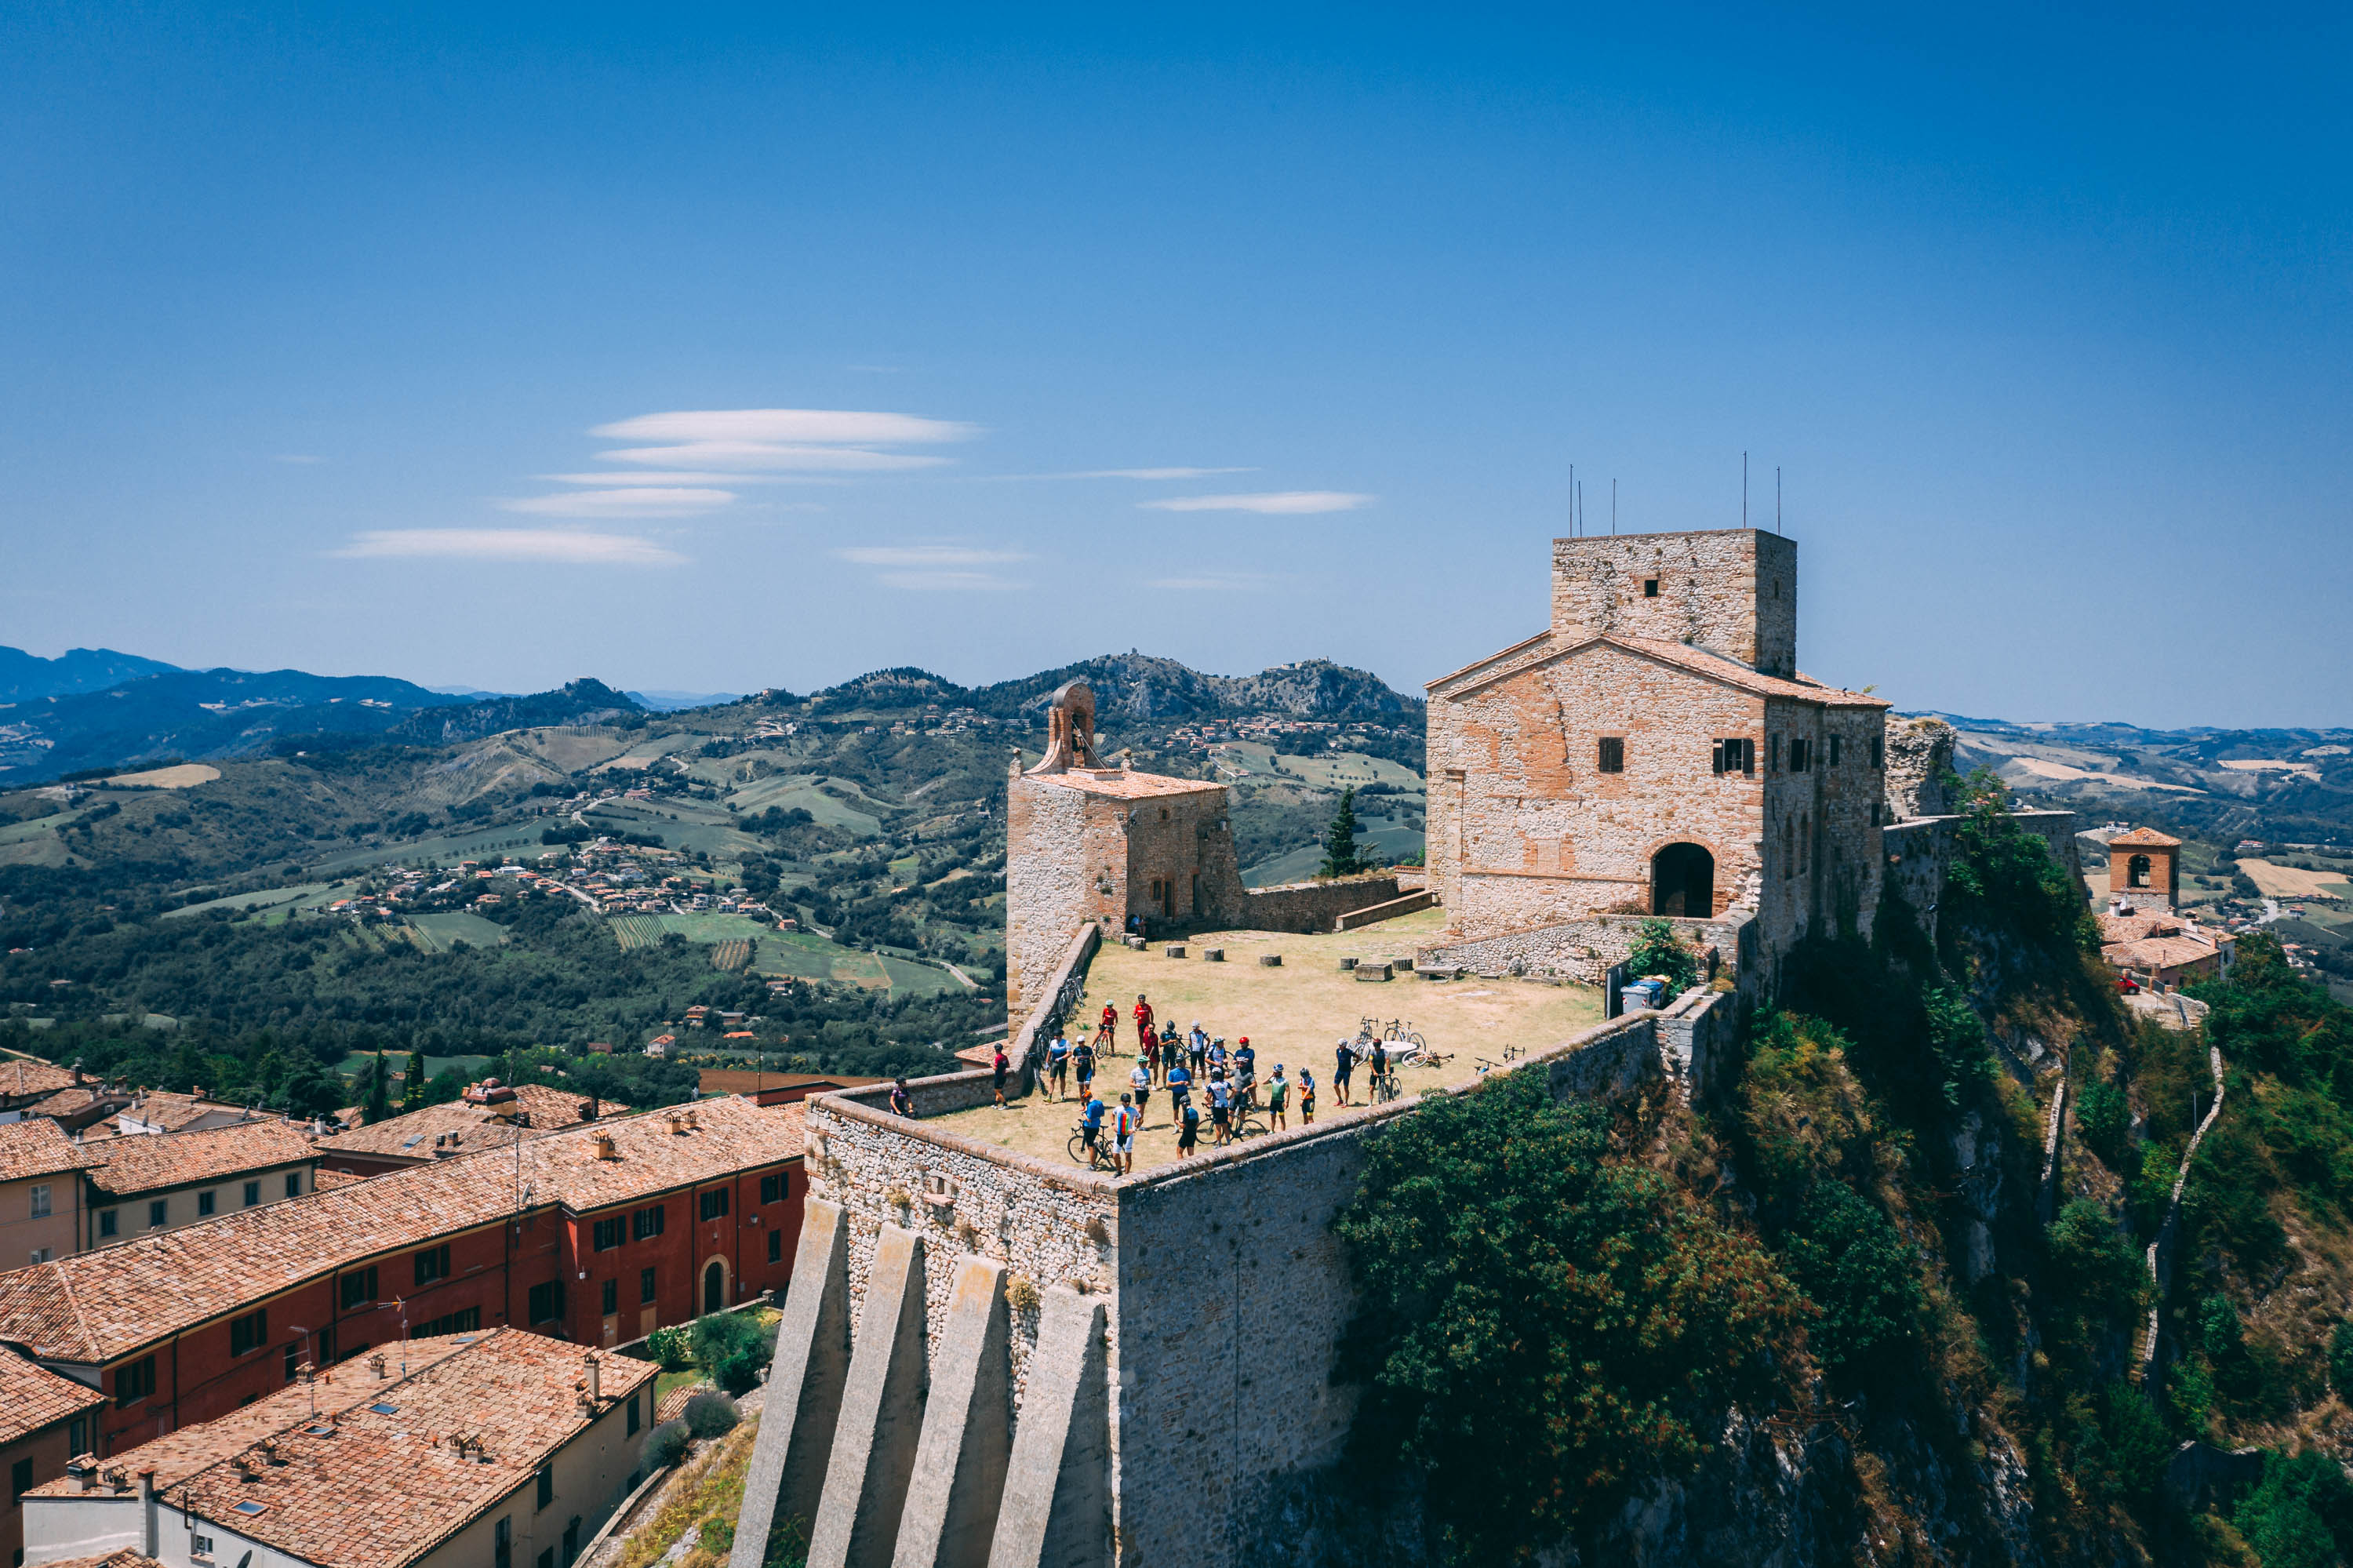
x=1340, y=857
x=1658, y=952
x=412, y=1089
x=1543, y=1326
x=2301, y=1514
x=378, y=1105
x=1851, y=1263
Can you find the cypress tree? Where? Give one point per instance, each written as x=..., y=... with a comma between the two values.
x=411, y=1092
x=379, y=1103
x=1340, y=857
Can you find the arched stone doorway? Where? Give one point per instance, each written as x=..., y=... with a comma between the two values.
x=1682, y=881
x=714, y=1285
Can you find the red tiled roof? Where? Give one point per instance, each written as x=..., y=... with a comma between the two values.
x=470, y=1126
x=146, y=1161
x=96, y=1306
x=2159, y=953
x=35, y=1146
x=19, y=1078
x=1544, y=647
x=2146, y=838
x=126, y=1558
x=322, y=1481
x=1124, y=785
x=32, y=1397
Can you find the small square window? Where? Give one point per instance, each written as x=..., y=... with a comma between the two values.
x=206, y=1201
x=294, y=1183
x=645, y=1285
x=252, y=1193
x=158, y=1212
x=775, y=1246
x=609, y=1297
x=1649, y=587
x=106, y=1222
x=1613, y=754
x=714, y=1204
x=41, y=1200
x=1834, y=751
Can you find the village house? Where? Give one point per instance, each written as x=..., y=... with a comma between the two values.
x=40, y=1193
x=45, y=1421
x=140, y=1185
x=502, y=1447
x=489, y=1115
x=598, y=1235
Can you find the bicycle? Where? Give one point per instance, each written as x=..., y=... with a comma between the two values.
x=1095, y=1156
x=1402, y=1029
x=1384, y=1087
x=1249, y=1121
x=1427, y=1058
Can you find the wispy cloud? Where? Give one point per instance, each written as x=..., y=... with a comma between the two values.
x=936, y=582
x=756, y=455
x=1213, y=582
x=547, y=545
x=817, y=440
x=935, y=569
x=659, y=476
x=1285, y=503
x=925, y=556
x=633, y=502
x=1162, y=473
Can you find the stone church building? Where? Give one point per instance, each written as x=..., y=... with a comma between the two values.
x=1655, y=751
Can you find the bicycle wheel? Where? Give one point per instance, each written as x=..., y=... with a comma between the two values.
x=1080, y=1153
x=1416, y=1041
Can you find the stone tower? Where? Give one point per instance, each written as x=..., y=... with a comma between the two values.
x=2145, y=869
x=1085, y=842
x=1732, y=591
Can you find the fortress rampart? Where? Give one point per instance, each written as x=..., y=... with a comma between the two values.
x=997, y=1361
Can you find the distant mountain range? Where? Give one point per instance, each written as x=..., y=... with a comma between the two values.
x=25, y=677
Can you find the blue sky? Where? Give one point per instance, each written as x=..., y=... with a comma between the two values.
x=1239, y=336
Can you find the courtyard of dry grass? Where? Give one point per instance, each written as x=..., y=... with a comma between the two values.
x=1293, y=1014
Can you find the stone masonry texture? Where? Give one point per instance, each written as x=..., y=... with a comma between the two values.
x=1734, y=591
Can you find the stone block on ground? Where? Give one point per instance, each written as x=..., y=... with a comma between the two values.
x=1347, y=963
x=1213, y=955
x=1372, y=971
x=1175, y=949
x=1269, y=960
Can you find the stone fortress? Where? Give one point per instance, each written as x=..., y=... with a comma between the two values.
x=989, y=1359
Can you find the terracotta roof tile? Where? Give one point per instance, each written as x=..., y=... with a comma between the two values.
x=159, y=1107
x=35, y=1146
x=97, y=1307
x=149, y=1161
x=32, y=1397
x=1545, y=647
x=321, y=1482
x=411, y=1134
x=2159, y=953
x=1125, y=785
x=126, y=1558
x=2146, y=838
x=19, y=1078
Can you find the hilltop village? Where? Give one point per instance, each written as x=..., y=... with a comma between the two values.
x=924, y=1317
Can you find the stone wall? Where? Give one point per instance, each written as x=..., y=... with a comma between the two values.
x=1732, y=590
x=1524, y=828
x=1919, y=759
x=1584, y=951
x=1309, y=906
x=1919, y=854
x=1821, y=825
x=1407, y=903
x=1055, y=849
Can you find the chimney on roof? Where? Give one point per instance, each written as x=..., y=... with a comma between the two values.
x=692, y=1125
x=147, y=1520
x=596, y=1378
x=377, y=1364
x=83, y=1469
x=588, y=1109
x=606, y=1147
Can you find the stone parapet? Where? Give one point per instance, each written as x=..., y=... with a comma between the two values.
x=1311, y=906
x=1585, y=951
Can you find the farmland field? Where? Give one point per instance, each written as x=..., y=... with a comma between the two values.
x=2292, y=882
x=441, y=930
x=786, y=791
x=731, y=955
x=186, y=776
x=634, y=931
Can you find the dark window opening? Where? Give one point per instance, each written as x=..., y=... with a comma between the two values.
x=158, y=1211
x=464, y=1322
x=647, y=1222
x=1834, y=751
x=502, y=1546
x=135, y=1381
x=252, y=1193
x=294, y=1183
x=1649, y=587
x=106, y=1222
x=610, y=1295
x=1613, y=754
x=1878, y=752
x=204, y=1201
x=248, y=1334
x=775, y=1246
x=1801, y=753
x=1737, y=755
x=714, y=1286
x=20, y=1480
x=645, y=1285
x=293, y=1360
x=2136, y=871
x=607, y=1235
x=772, y=1189
x=546, y=1302
x=433, y=1264
x=546, y=1477
x=358, y=1287
x=633, y=1417
x=714, y=1204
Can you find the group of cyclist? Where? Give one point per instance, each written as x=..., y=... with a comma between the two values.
x=1183, y=1065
